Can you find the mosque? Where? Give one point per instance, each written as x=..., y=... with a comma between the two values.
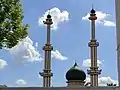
x=75, y=76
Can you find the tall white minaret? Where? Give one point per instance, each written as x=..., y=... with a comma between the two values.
x=47, y=74
x=117, y=4
x=93, y=44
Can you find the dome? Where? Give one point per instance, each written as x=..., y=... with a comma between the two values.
x=75, y=73
x=92, y=11
x=48, y=16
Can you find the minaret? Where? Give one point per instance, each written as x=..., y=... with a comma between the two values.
x=93, y=44
x=46, y=74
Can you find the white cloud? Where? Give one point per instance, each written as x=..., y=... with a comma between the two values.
x=101, y=18
x=3, y=63
x=109, y=23
x=25, y=51
x=57, y=55
x=57, y=17
x=103, y=81
x=21, y=82
x=87, y=63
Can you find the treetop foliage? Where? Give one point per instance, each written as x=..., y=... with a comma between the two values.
x=11, y=28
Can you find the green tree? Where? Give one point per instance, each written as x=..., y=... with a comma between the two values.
x=11, y=28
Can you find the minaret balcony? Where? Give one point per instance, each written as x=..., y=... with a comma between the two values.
x=94, y=67
x=94, y=72
x=92, y=17
x=45, y=74
x=48, y=47
x=48, y=21
x=93, y=43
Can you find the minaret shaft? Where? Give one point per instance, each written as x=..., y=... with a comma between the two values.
x=48, y=52
x=47, y=60
x=48, y=34
x=93, y=29
x=94, y=80
x=94, y=68
x=93, y=56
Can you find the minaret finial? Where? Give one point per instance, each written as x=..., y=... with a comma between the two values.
x=49, y=11
x=75, y=63
x=92, y=10
x=49, y=16
x=92, y=6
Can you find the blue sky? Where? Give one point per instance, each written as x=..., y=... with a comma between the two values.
x=70, y=42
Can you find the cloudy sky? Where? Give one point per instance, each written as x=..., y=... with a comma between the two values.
x=70, y=34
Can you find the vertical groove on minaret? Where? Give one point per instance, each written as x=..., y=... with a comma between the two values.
x=93, y=44
x=46, y=74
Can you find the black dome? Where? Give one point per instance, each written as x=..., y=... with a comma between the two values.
x=75, y=73
x=92, y=11
x=48, y=16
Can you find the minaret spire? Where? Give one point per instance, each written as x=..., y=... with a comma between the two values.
x=93, y=44
x=46, y=74
x=92, y=6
